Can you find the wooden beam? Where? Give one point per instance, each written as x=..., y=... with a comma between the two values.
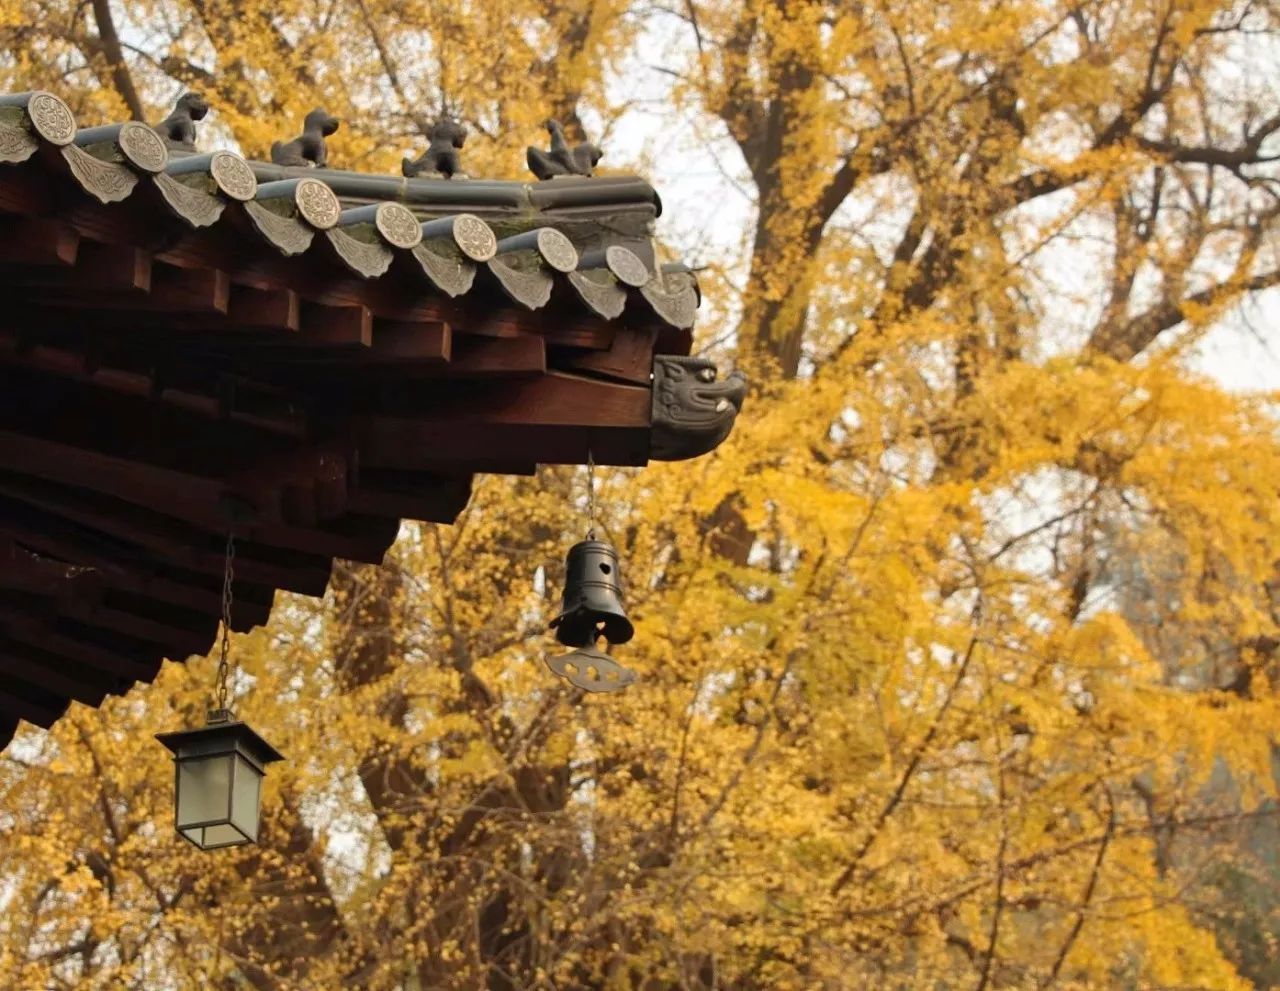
x=25, y=572
x=197, y=503
x=402, y=495
x=70, y=643
x=22, y=571
x=564, y=330
x=84, y=369
x=40, y=708
x=523, y=355
x=629, y=358
x=394, y=344
x=38, y=241
x=555, y=418
x=29, y=190
x=62, y=523
x=110, y=267
x=178, y=643
x=190, y=290
x=377, y=379
x=129, y=481
x=39, y=669
x=350, y=325
x=554, y=399
x=273, y=310
x=118, y=445
x=403, y=341
x=126, y=281
x=112, y=275
x=229, y=244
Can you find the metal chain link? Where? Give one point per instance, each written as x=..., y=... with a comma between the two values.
x=228, y=577
x=591, y=497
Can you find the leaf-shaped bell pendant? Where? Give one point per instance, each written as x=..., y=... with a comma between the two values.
x=591, y=608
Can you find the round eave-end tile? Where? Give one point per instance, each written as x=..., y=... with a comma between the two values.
x=626, y=266
x=52, y=119
x=317, y=204
x=557, y=250
x=143, y=147
x=474, y=237
x=398, y=225
x=233, y=176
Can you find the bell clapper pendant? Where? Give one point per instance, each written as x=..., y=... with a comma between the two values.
x=592, y=610
x=592, y=670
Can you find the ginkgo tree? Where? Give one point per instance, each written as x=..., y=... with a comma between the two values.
x=957, y=662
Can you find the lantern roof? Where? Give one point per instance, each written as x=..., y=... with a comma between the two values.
x=191, y=340
x=229, y=736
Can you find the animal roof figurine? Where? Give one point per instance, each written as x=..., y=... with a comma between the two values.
x=179, y=128
x=307, y=149
x=445, y=138
x=562, y=160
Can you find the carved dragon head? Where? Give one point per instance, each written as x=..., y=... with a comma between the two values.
x=692, y=411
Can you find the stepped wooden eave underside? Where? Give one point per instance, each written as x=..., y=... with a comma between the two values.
x=321, y=353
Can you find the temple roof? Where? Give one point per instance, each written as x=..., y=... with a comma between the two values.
x=191, y=340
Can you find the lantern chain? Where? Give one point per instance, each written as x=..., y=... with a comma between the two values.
x=228, y=578
x=591, y=497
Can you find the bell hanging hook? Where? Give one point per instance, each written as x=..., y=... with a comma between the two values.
x=591, y=496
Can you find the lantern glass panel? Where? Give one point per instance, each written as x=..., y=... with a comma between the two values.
x=244, y=798
x=204, y=790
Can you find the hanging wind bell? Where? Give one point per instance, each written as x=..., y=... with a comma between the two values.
x=219, y=767
x=591, y=610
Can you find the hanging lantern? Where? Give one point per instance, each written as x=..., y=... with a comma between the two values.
x=218, y=768
x=218, y=781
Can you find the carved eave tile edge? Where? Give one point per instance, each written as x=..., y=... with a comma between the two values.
x=17, y=142
x=452, y=275
x=367, y=238
x=693, y=412
x=289, y=212
x=531, y=289
x=451, y=250
x=600, y=292
x=108, y=162
x=29, y=119
x=191, y=205
x=526, y=265
x=107, y=182
x=368, y=259
x=673, y=296
x=286, y=234
x=604, y=276
x=198, y=187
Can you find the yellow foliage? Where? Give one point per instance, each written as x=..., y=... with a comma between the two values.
x=954, y=661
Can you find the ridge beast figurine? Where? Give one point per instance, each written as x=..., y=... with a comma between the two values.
x=179, y=128
x=307, y=149
x=560, y=159
x=445, y=140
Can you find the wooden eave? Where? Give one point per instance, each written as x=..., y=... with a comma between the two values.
x=173, y=350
